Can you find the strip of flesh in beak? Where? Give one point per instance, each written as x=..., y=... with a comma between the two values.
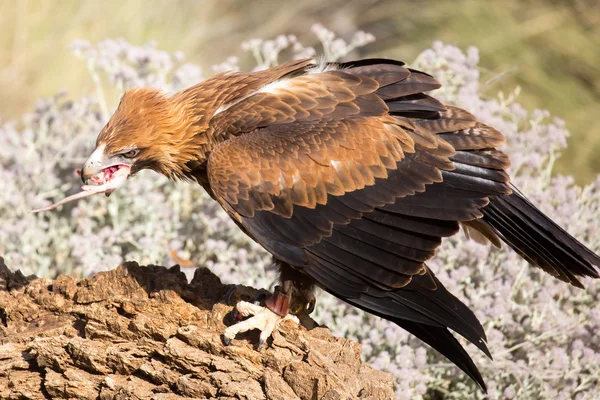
x=107, y=184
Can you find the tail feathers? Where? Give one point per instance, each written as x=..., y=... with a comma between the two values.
x=538, y=239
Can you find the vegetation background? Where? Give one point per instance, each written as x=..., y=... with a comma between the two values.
x=550, y=48
x=543, y=333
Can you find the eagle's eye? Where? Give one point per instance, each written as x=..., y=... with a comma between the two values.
x=131, y=153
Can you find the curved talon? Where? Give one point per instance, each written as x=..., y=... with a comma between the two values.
x=309, y=307
x=296, y=308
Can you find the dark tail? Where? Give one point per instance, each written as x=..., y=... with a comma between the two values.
x=538, y=239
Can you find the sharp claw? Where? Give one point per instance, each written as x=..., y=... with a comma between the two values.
x=261, y=345
x=310, y=305
x=226, y=340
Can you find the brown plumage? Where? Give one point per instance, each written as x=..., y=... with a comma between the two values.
x=350, y=176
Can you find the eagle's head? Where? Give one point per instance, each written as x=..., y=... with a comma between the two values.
x=149, y=130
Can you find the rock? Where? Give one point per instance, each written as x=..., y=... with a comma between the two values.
x=145, y=333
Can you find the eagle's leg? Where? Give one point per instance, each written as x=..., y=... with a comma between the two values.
x=298, y=286
x=293, y=296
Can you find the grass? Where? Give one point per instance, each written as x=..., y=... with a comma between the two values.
x=549, y=48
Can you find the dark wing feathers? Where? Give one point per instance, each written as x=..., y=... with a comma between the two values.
x=417, y=82
x=390, y=240
x=414, y=102
x=383, y=71
x=345, y=235
x=453, y=119
x=489, y=159
x=477, y=137
x=443, y=341
x=353, y=176
x=432, y=229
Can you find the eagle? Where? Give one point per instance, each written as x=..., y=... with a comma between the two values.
x=350, y=175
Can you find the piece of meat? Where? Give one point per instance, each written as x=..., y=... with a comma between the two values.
x=108, y=180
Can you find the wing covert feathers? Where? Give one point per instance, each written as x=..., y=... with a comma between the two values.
x=353, y=175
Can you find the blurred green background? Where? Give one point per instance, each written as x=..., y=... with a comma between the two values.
x=550, y=48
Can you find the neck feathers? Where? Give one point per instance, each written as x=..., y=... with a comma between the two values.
x=174, y=133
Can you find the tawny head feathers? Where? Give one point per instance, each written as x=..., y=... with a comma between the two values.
x=172, y=134
x=155, y=130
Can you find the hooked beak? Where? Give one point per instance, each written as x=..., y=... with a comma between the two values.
x=94, y=164
x=103, y=171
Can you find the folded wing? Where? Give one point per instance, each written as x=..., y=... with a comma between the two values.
x=353, y=175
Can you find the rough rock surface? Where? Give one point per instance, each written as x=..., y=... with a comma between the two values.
x=145, y=333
